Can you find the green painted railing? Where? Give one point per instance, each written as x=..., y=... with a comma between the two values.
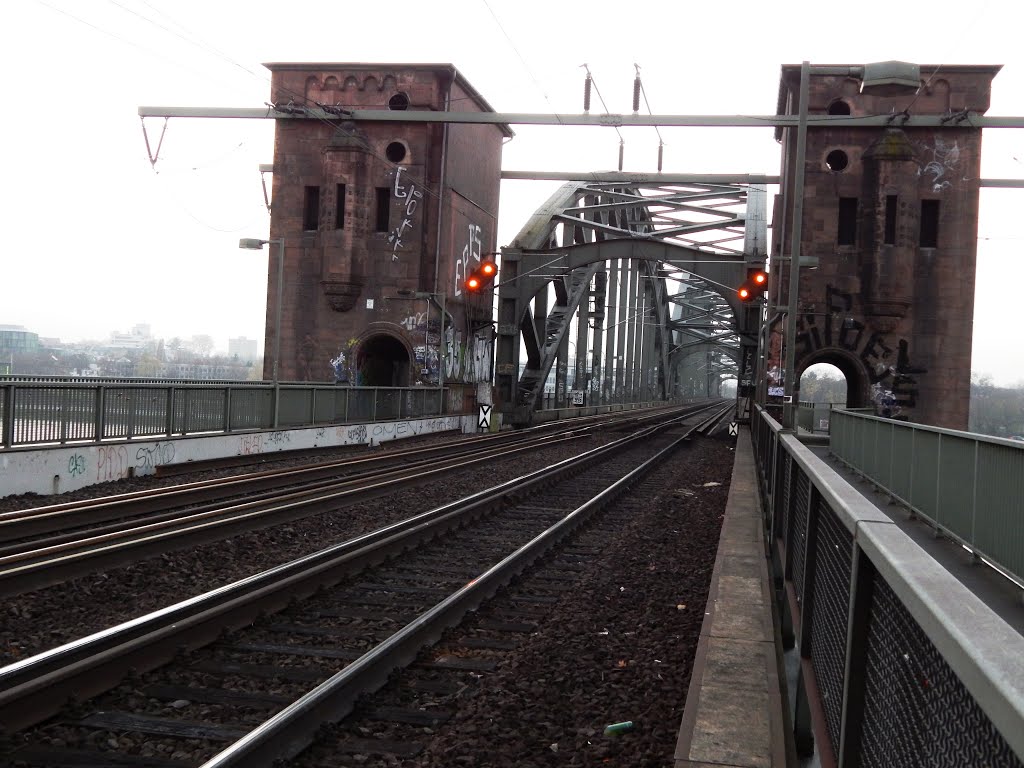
x=969, y=486
x=43, y=412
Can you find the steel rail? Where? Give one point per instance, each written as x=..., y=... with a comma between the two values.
x=33, y=689
x=292, y=729
x=37, y=521
x=34, y=569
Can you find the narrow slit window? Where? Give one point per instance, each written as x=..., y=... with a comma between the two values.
x=311, y=209
x=890, y=220
x=383, y=209
x=847, y=234
x=339, y=208
x=929, y=224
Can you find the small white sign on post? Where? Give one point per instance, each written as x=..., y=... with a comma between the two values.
x=734, y=429
x=484, y=422
x=577, y=397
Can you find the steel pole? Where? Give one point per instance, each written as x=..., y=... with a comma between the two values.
x=789, y=369
x=277, y=329
x=440, y=350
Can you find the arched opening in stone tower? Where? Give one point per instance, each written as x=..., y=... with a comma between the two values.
x=835, y=378
x=383, y=362
x=823, y=384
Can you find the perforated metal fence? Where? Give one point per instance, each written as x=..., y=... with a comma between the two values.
x=901, y=664
x=971, y=486
x=50, y=412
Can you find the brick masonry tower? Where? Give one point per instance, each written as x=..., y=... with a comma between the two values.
x=891, y=214
x=374, y=212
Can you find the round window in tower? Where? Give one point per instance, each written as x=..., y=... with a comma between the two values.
x=837, y=160
x=395, y=152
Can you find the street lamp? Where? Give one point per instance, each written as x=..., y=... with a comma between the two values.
x=255, y=244
x=888, y=78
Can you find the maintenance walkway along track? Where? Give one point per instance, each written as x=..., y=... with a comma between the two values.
x=452, y=558
x=48, y=545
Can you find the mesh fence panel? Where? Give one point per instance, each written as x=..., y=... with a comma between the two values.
x=831, y=596
x=787, y=465
x=917, y=712
x=798, y=534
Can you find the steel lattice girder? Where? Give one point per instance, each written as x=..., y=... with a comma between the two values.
x=658, y=234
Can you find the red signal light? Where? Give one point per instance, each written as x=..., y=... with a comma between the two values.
x=482, y=276
x=755, y=285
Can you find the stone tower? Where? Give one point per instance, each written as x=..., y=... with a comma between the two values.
x=374, y=212
x=891, y=214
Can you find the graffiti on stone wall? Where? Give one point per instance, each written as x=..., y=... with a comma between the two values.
x=941, y=166
x=111, y=463
x=409, y=196
x=885, y=359
x=471, y=253
x=76, y=465
x=150, y=457
x=468, y=361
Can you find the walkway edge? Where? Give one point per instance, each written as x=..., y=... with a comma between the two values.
x=733, y=716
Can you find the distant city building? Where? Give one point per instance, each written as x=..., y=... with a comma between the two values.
x=14, y=339
x=138, y=338
x=242, y=348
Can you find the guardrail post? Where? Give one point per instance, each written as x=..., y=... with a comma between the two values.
x=64, y=408
x=312, y=405
x=132, y=402
x=7, y=428
x=862, y=578
x=169, y=416
x=376, y=394
x=101, y=403
x=810, y=568
x=227, y=409
x=277, y=402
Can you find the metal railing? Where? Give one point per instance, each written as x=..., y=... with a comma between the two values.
x=899, y=663
x=967, y=485
x=814, y=417
x=58, y=412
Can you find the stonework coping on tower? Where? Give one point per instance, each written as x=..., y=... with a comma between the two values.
x=341, y=295
x=348, y=136
x=893, y=144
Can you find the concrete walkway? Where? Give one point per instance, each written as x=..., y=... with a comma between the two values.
x=733, y=715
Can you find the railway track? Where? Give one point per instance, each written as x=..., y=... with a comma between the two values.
x=368, y=609
x=44, y=546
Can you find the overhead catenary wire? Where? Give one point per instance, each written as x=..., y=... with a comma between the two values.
x=592, y=81
x=638, y=88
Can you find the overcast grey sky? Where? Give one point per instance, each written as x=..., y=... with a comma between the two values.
x=98, y=240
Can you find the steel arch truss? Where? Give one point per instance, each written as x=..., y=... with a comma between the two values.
x=608, y=288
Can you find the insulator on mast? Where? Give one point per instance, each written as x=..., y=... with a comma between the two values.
x=622, y=149
x=661, y=154
x=636, y=95
x=586, y=93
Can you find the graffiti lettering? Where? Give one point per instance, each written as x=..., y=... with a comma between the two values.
x=471, y=251
x=320, y=432
x=154, y=456
x=250, y=444
x=356, y=434
x=111, y=463
x=840, y=330
x=279, y=438
x=76, y=465
x=412, y=196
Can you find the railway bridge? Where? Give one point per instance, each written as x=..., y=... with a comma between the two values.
x=848, y=622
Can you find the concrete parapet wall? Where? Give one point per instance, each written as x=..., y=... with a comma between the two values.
x=47, y=470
